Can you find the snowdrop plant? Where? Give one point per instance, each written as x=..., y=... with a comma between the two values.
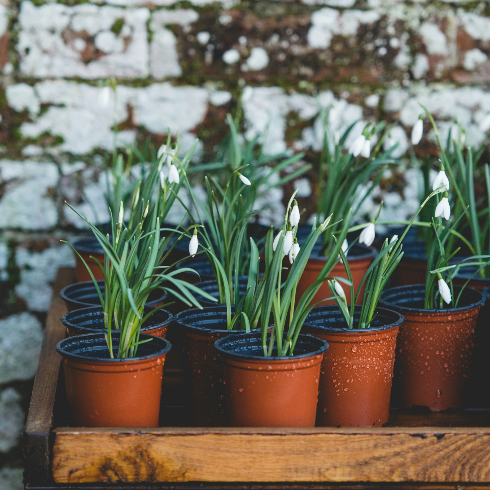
x=375, y=278
x=279, y=299
x=134, y=267
x=342, y=173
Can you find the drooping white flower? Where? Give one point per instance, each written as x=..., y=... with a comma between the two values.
x=441, y=180
x=294, y=215
x=366, y=149
x=275, y=243
x=368, y=234
x=244, y=179
x=193, y=244
x=339, y=290
x=121, y=214
x=417, y=132
x=443, y=209
x=288, y=242
x=357, y=146
x=345, y=246
x=293, y=253
x=444, y=290
x=173, y=175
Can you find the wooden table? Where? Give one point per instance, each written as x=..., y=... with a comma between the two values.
x=438, y=450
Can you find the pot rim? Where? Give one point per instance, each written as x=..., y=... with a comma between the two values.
x=369, y=253
x=336, y=310
x=445, y=311
x=165, y=347
x=67, y=323
x=238, y=337
x=199, y=329
x=64, y=294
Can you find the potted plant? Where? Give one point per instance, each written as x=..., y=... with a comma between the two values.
x=271, y=377
x=356, y=376
x=343, y=171
x=435, y=345
x=101, y=369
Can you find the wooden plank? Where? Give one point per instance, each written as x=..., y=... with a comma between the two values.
x=266, y=455
x=40, y=417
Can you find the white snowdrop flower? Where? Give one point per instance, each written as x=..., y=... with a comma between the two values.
x=162, y=179
x=173, y=175
x=345, y=246
x=339, y=290
x=417, y=132
x=368, y=234
x=444, y=290
x=357, y=146
x=244, y=179
x=366, y=149
x=293, y=253
x=193, y=244
x=443, y=209
x=105, y=97
x=275, y=243
x=394, y=238
x=441, y=180
x=288, y=242
x=336, y=137
x=294, y=215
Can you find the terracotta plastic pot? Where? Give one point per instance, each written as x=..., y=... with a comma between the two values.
x=84, y=294
x=413, y=266
x=91, y=320
x=271, y=391
x=435, y=347
x=88, y=247
x=359, y=258
x=105, y=392
x=202, y=328
x=357, y=370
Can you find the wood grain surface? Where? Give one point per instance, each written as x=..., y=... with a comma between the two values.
x=40, y=416
x=267, y=455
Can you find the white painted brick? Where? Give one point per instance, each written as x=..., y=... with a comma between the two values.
x=48, y=33
x=21, y=336
x=38, y=271
x=26, y=203
x=76, y=114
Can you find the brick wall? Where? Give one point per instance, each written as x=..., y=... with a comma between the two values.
x=184, y=65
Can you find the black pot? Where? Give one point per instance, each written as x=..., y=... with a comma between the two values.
x=84, y=294
x=201, y=266
x=91, y=320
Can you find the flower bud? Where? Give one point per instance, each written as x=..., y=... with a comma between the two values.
x=193, y=244
x=368, y=234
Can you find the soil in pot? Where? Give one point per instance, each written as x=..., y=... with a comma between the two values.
x=201, y=329
x=84, y=294
x=91, y=320
x=105, y=392
x=357, y=371
x=270, y=391
x=434, y=349
x=360, y=258
x=87, y=247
